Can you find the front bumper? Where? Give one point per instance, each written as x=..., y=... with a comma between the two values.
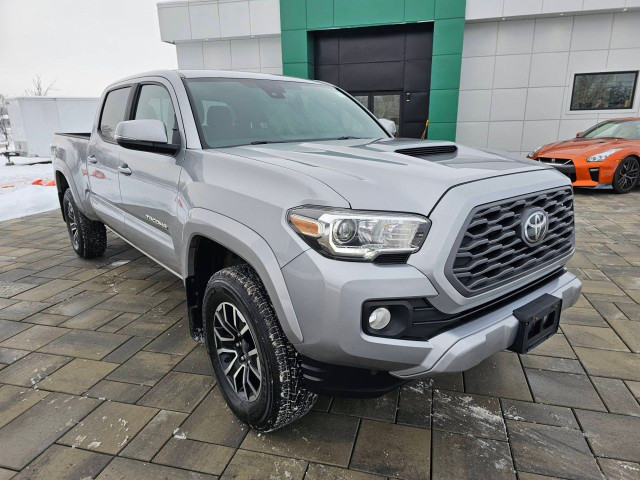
x=328, y=295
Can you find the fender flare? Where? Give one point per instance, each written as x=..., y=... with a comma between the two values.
x=81, y=203
x=250, y=246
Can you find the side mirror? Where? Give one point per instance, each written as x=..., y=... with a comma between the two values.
x=578, y=134
x=144, y=135
x=388, y=125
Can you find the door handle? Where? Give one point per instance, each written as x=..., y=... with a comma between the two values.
x=92, y=159
x=124, y=169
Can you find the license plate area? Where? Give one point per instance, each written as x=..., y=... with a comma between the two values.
x=539, y=319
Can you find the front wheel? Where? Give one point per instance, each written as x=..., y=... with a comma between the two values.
x=626, y=176
x=258, y=370
x=88, y=237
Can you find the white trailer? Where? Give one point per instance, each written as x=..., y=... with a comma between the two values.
x=34, y=120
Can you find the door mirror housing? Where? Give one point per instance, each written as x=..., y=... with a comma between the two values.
x=578, y=134
x=146, y=136
x=389, y=126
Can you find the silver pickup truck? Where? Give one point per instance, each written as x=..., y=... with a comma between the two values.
x=319, y=253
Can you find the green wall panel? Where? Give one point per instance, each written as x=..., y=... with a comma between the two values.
x=443, y=106
x=450, y=9
x=418, y=10
x=445, y=72
x=298, y=47
x=300, y=70
x=447, y=36
x=442, y=131
x=293, y=14
x=349, y=13
x=319, y=14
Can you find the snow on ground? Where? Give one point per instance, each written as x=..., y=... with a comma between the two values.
x=18, y=196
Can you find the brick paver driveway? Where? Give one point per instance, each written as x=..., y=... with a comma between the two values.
x=99, y=378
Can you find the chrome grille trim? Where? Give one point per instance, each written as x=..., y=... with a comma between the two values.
x=489, y=251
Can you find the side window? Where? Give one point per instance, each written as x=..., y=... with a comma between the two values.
x=113, y=112
x=154, y=103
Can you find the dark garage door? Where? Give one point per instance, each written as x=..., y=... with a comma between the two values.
x=388, y=69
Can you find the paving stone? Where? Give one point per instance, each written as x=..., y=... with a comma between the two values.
x=33, y=338
x=553, y=451
x=109, y=427
x=117, y=392
x=257, y=466
x=16, y=400
x=90, y=319
x=629, y=332
x=317, y=471
x=468, y=414
x=604, y=363
x=78, y=303
x=619, y=470
x=58, y=462
x=213, y=422
x=538, y=413
x=127, y=469
x=150, y=325
x=10, y=289
x=49, y=319
x=616, y=396
x=499, y=375
x=414, y=406
x=16, y=274
x=554, y=364
x=317, y=437
x=611, y=435
x=634, y=387
x=462, y=456
x=46, y=290
x=565, y=389
x=130, y=303
x=556, y=346
x=323, y=403
x=10, y=355
x=178, y=391
x=6, y=474
x=85, y=344
x=593, y=337
x=77, y=377
x=176, y=340
x=127, y=350
x=22, y=310
x=31, y=369
x=8, y=329
x=631, y=311
x=448, y=381
x=405, y=451
x=154, y=435
x=192, y=455
x=28, y=435
x=196, y=362
x=582, y=316
x=145, y=368
x=380, y=408
x=118, y=323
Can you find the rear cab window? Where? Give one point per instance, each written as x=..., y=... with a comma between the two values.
x=113, y=112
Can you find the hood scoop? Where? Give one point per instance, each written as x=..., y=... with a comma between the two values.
x=442, y=152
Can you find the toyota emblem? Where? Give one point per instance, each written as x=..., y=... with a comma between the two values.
x=535, y=224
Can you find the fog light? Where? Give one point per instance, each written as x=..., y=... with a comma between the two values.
x=380, y=318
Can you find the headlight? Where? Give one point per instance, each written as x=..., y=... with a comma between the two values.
x=533, y=152
x=599, y=157
x=358, y=235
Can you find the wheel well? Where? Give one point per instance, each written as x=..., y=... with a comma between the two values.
x=62, y=185
x=206, y=257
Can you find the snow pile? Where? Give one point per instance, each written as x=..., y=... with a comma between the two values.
x=19, y=197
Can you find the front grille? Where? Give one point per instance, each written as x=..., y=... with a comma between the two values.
x=563, y=165
x=491, y=252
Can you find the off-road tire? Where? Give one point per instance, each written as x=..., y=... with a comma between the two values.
x=91, y=235
x=283, y=397
x=632, y=166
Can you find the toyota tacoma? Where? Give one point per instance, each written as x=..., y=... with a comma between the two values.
x=319, y=253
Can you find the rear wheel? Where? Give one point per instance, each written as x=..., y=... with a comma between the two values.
x=88, y=237
x=258, y=370
x=627, y=175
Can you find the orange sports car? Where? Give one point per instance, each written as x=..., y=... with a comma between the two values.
x=606, y=155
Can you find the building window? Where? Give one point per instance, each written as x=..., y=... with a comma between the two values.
x=604, y=91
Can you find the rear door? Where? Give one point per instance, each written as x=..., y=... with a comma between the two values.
x=149, y=181
x=103, y=159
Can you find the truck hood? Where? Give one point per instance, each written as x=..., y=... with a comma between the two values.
x=373, y=175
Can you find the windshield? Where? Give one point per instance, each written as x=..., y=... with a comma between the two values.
x=629, y=130
x=233, y=111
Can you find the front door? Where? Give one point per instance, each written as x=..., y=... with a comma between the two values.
x=149, y=185
x=103, y=160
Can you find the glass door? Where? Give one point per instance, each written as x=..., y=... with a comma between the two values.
x=382, y=105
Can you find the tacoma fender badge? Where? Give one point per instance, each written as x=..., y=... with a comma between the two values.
x=157, y=222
